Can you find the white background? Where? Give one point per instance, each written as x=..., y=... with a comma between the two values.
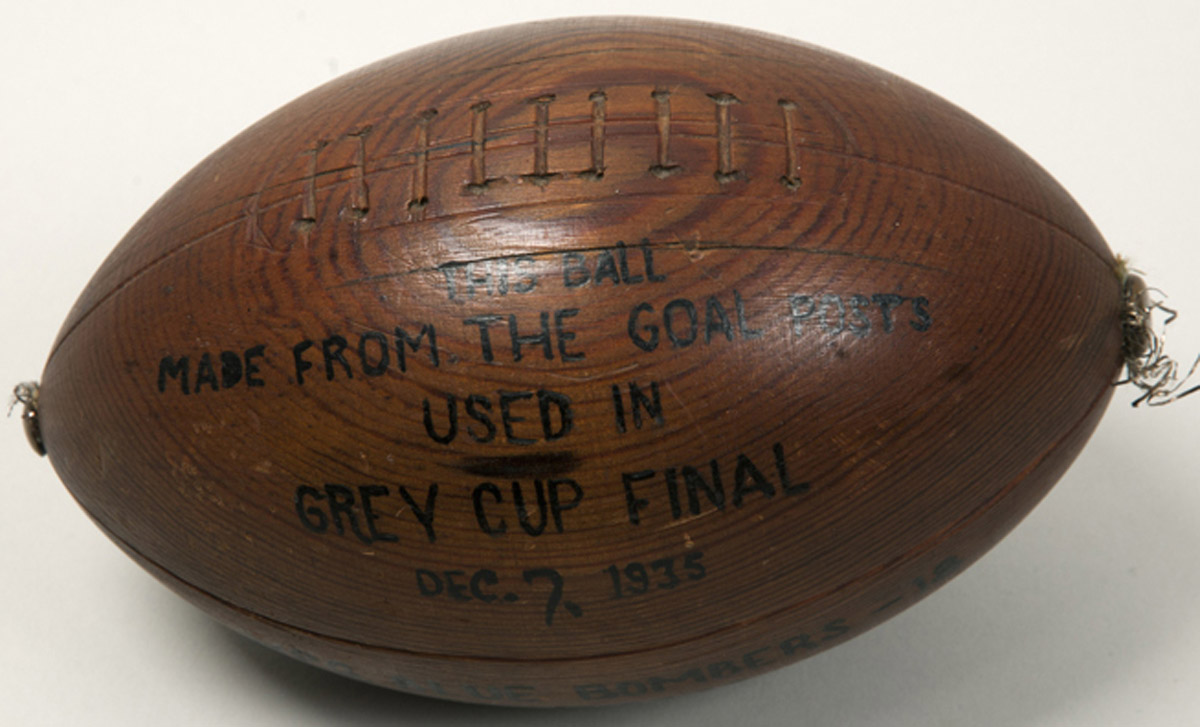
x=1088, y=615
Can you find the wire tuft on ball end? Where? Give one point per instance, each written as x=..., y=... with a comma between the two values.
x=26, y=393
x=1147, y=366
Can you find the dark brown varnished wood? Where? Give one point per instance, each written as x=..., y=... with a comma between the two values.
x=585, y=361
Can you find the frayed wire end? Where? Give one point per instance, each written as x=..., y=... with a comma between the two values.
x=26, y=393
x=1147, y=366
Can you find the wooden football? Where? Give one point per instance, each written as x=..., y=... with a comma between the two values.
x=585, y=361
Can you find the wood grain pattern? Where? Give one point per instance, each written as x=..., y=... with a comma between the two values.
x=585, y=361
